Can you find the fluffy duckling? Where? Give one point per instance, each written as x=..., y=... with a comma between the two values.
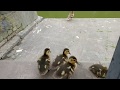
x=70, y=16
x=98, y=70
x=61, y=59
x=44, y=62
x=64, y=71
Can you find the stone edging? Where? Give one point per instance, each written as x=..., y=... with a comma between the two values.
x=5, y=49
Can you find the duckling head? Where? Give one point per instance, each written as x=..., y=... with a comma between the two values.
x=73, y=60
x=47, y=52
x=66, y=51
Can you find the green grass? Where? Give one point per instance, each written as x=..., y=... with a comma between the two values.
x=80, y=14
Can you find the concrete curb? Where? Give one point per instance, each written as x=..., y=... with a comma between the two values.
x=5, y=49
x=23, y=33
x=3, y=42
x=9, y=46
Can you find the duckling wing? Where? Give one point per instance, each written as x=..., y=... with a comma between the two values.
x=67, y=76
x=58, y=61
x=100, y=70
x=96, y=67
x=44, y=65
x=62, y=72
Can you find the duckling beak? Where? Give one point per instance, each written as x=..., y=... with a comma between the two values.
x=78, y=63
x=69, y=53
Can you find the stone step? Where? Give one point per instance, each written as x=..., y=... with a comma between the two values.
x=10, y=69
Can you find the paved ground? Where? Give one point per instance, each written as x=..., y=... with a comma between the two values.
x=91, y=40
x=28, y=70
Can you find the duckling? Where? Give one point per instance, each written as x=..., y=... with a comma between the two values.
x=98, y=70
x=44, y=62
x=66, y=70
x=61, y=59
x=70, y=16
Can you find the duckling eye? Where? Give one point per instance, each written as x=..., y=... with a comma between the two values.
x=67, y=51
x=74, y=60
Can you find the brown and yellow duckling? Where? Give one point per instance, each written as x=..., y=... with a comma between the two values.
x=98, y=70
x=44, y=62
x=66, y=70
x=61, y=59
x=70, y=16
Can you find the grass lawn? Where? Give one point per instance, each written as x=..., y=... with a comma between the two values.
x=80, y=14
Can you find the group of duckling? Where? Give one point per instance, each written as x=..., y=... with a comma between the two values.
x=64, y=66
